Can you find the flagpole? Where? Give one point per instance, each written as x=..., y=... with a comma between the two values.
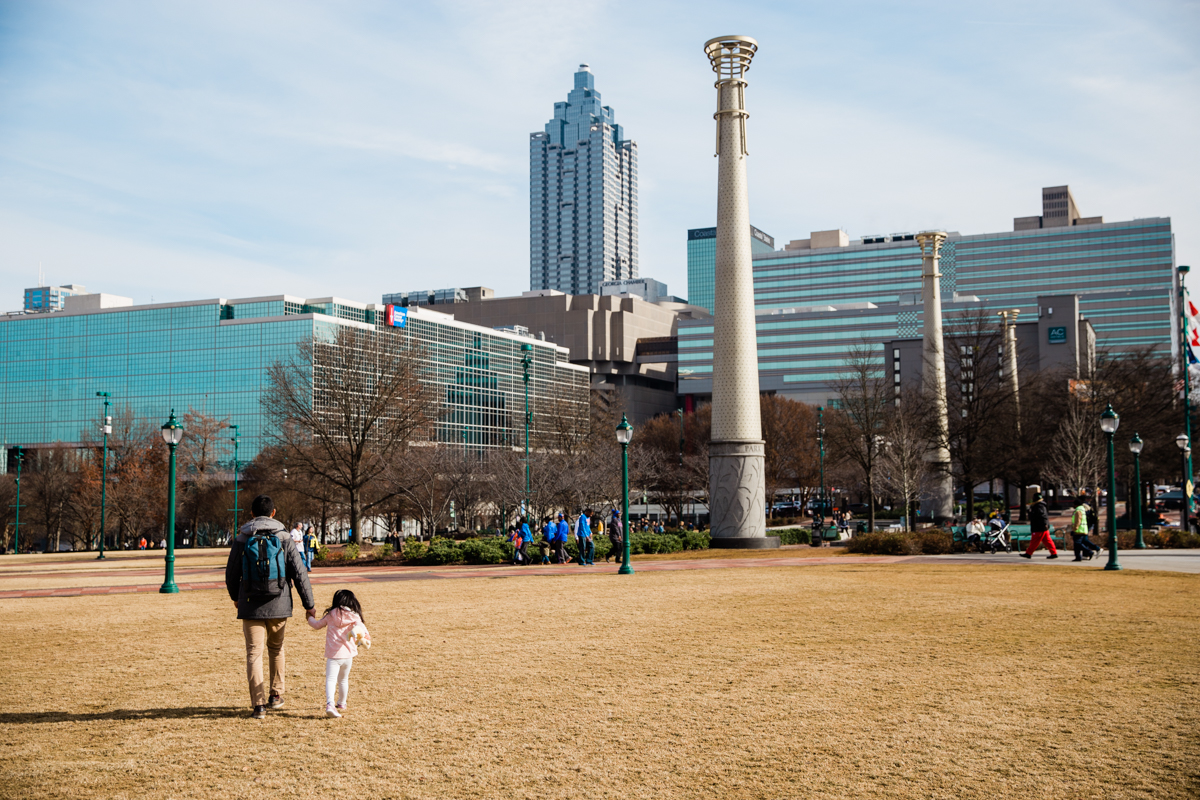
x=1186, y=488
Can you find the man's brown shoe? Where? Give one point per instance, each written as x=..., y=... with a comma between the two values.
x=276, y=702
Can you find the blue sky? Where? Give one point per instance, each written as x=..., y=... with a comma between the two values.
x=179, y=151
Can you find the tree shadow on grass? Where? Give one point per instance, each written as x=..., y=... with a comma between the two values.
x=130, y=714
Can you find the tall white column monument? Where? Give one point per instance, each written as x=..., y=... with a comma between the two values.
x=737, y=486
x=1009, y=321
x=933, y=377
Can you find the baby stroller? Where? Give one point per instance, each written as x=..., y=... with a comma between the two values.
x=995, y=538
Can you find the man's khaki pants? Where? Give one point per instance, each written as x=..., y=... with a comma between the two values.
x=262, y=633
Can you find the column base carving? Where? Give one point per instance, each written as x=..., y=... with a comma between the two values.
x=737, y=494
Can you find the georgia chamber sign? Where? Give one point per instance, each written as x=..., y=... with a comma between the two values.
x=396, y=316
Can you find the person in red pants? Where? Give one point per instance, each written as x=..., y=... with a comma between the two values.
x=1039, y=528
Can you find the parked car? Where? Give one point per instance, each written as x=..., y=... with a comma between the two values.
x=1174, y=499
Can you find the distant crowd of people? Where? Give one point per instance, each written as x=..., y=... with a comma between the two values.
x=557, y=531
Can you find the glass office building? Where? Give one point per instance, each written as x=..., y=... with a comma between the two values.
x=213, y=356
x=702, y=262
x=813, y=303
x=583, y=220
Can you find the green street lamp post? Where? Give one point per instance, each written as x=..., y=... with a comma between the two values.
x=821, y=450
x=236, y=468
x=526, y=363
x=624, y=435
x=1108, y=423
x=680, y=413
x=1184, y=444
x=106, y=429
x=1135, y=447
x=1186, y=488
x=17, y=526
x=172, y=433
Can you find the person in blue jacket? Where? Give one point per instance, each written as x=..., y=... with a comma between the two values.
x=561, y=531
x=526, y=535
x=583, y=537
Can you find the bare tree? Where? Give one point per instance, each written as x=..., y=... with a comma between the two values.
x=982, y=410
x=427, y=479
x=204, y=448
x=904, y=465
x=345, y=408
x=137, y=475
x=8, y=499
x=1077, y=454
x=855, y=429
x=790, y=431
x=50, y=483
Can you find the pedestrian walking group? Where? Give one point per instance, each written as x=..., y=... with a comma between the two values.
x=558, y=531
x=1083, y=521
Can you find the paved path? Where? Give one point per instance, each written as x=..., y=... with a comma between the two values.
x=125, y=581
x=1156, y=560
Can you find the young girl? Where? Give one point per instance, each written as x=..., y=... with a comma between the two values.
x=340, y=647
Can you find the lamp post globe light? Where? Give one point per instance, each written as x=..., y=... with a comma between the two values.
x=106, y=429
x=172, y=434
x=1109, y=421
x=1135, y=447
x=624, y=435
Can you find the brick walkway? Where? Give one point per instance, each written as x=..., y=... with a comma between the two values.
x=366, y=574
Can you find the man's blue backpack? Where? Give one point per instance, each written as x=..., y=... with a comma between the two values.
x=263, y=566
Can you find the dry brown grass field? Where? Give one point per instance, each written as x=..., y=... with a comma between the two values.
x=832, y=681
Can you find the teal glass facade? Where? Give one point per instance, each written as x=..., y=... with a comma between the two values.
x=213, y=355
x=702, y=262
x=814, y=305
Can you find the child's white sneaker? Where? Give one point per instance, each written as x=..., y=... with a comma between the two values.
x=330, y=711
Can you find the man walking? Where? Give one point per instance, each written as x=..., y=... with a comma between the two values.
x=263, y=566
x=561, y=532
x=583, y=535
x=1079, y=531
x=297, y=534
x=615, y=538
x=1039, y=527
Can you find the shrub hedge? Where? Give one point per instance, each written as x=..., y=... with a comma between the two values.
x=793, y=536
x=932, y=541
x=492, y=550
x=1169, y=538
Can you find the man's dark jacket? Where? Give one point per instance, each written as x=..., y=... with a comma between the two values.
x=267, y=607
x=1039, y=517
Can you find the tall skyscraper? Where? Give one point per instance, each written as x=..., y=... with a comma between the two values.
x=582, y=196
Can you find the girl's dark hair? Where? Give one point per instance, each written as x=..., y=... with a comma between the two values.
x=344, y=598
